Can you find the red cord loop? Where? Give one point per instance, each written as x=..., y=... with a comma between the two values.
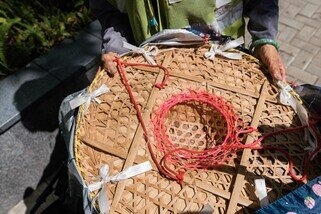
x=206, y=38
x=161, y=85
x=185, y=159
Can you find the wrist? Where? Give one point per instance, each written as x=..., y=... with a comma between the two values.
x=261, y=51
x=261, y=42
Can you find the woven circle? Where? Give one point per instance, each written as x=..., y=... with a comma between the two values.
x=110, y=133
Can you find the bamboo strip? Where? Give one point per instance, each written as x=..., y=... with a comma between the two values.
x=136, y=141
x=239, y=181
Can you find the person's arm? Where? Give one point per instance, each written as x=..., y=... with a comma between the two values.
x=263, y=27
x=115, y=29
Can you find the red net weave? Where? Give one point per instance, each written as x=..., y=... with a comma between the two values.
x=220, y=130
x=219, y=138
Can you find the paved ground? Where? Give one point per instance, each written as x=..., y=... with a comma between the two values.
x=300, y=38
x=32, y=149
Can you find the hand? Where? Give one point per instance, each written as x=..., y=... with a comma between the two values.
x=109, y=64
x=272, y=60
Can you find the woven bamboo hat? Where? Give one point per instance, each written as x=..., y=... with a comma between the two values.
x=109, y=132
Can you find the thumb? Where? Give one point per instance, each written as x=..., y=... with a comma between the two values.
x=110, y=67
x=277, y=69
x=275, y=72
x=109, y=64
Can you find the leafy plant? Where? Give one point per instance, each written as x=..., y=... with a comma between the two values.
x=30, y=28
x=5, y=27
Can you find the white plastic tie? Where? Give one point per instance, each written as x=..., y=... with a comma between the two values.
x=148, y=54
x=221, y=50
x=261, y=193
x=102, y=196
x=286, y=98
x=86, y=98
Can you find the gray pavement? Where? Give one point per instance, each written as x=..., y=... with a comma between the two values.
x=300, y=38
x=31, y=146
x=33, y=149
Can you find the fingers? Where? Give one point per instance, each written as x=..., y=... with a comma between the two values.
x=110, y=67
x=109, y=64
x=282, y=70
x=272, y=60
x=277, y=70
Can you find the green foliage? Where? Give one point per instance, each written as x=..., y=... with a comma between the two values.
x=6, y=25
x=29, y=28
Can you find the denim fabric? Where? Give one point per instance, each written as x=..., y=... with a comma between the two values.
x=306, y=199
x=263, y=18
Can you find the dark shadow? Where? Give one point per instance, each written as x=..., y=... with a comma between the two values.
x=28, y=192
x=40, y=128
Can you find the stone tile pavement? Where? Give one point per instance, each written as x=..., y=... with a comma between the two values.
x=300, y=39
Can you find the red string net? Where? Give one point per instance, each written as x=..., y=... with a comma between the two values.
x=193, y=129
x=213, y=119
